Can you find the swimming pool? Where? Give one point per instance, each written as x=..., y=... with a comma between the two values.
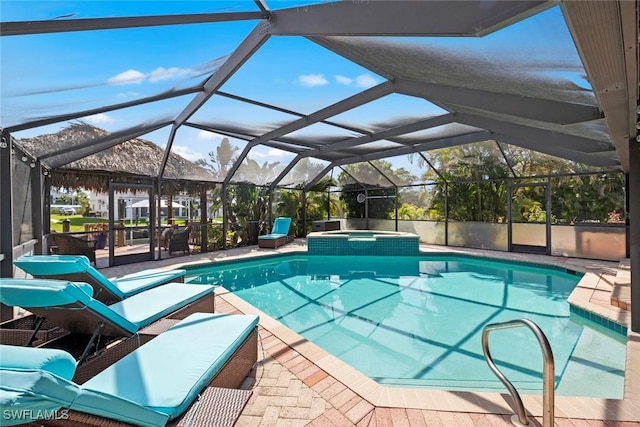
x=417, y=321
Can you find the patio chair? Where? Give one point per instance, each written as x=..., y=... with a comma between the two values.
x=165, y=237
x=179, y=241
x=154, y=384
x=279, y=234
x=77, y=268
x=71, y=306
x=67, y=244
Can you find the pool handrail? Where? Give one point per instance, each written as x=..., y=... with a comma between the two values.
x=548, y=375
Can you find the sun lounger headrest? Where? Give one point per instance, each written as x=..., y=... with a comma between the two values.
x=281, y=225
x=42, y=292
x=57, y=362
x=41, y=265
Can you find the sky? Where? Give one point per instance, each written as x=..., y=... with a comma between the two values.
x=49, y=74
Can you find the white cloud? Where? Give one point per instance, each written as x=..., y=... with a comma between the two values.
x=159, y=74
x=128, y=77
x=184, y=151
x=366, y=80
x=312, y=80
x=363, y=80
x=204, y=135
x=98, y=119
x=127, y=95
x=344, y=80
x=276, y=152
x=255, y=155
x=162, y=73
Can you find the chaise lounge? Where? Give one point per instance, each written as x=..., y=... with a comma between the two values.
x=77, y=268
x=154, y=384
x=279, y=234
x=93, y=325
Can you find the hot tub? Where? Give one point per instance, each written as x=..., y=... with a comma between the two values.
x=362, y=242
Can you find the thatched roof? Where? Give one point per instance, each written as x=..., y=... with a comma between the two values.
x=129, y=161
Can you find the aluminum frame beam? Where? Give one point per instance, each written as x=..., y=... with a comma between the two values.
x=558, y=151
x=285, y=171
x=402, y=18
x=346, y=104
x=91, y=24
x=542, y=137
x=423, y=146
x=610, y=58
x=113, y=107
x=282, y=110
x=256, y=38
x=544, y=110
x=429, y=123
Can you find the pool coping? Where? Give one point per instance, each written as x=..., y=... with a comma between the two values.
x=591, y=294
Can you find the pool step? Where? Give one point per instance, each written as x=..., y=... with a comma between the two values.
x=621, y=292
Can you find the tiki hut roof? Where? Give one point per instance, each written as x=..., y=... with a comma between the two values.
x=130, y=161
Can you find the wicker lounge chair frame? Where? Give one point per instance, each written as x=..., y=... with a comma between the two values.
x=24, y=330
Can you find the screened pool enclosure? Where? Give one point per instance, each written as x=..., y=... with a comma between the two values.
x=505, y=125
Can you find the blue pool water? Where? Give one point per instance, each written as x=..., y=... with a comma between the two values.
x=417, y=321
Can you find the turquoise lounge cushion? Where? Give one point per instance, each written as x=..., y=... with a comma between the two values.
x=43, y=292
x=46, y=265
x=57, y=362
x=27, y=395
x=271, y=236
x=155, y=303
x=167, y=373
x=136, y=282
x=281, y=225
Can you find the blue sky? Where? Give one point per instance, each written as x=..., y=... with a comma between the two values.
x=50, y=74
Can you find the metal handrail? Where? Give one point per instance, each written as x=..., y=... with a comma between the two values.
x=548, y=375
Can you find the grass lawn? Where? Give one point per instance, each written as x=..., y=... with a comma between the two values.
x=77, y=222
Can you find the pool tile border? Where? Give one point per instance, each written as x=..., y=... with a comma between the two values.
x=609, y=324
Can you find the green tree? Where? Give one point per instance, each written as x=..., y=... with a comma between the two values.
x=261, y=174
x=248, y=208
x=462, y=178
x=219, y=163
x=587, y=197
x=221, y=160
x=462, y=174
x=379, y=180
